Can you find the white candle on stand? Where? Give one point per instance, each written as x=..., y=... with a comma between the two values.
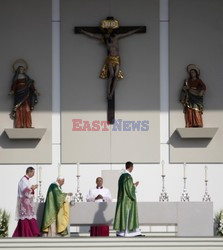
x=184, y=169
x=162, y=166
x=59, y=169
x=78, y=170
x=37, y=173
x=206, y=172
x=40, y=173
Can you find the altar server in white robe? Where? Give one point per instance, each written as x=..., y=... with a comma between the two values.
x=25, y=212
x=99, y=194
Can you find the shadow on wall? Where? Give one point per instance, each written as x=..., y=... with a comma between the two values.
x=39, y=212
x=99, y=216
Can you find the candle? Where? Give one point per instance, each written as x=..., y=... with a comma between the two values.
x=78, y=171
x=162, y=166
x=184, y=169
x=206, y=172
x=37, y=173
x=40, y=173
x=59, y=169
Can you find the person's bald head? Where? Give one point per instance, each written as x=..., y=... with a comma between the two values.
x=60, y=180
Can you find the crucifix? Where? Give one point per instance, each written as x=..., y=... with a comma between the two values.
x=110, y=32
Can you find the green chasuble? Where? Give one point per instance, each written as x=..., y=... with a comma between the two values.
x=53, y=209
x=126, y=208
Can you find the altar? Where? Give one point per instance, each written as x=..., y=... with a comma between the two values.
x=190, y=218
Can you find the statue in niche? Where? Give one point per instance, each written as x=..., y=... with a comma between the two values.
x=108, y=35
x=25, y=95
x=192, y=97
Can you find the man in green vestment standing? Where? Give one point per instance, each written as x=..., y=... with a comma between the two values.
x=56, y=211
x=126, y=215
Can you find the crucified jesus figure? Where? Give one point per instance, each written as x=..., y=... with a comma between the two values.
x=111, y=69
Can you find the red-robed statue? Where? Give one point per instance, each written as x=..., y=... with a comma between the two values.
x=192, y=97
x=25, y=95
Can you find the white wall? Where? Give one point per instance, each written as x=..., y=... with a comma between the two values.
x=190, y=40
x=23, y=36
x=83, y=94
x=148, y=174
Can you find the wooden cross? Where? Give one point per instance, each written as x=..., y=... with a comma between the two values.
x=120, y=30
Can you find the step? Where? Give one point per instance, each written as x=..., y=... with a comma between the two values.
x=112, y=243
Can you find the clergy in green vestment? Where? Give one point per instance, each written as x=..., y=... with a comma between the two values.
x=56, y=211
x=126, y=221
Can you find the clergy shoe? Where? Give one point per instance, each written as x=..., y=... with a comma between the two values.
x=140, y=235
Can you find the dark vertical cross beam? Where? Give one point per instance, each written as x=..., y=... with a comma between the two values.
x=111, y=109
x=120, y=30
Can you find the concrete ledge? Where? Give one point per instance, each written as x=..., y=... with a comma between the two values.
x=193, y=133
x=25, y=133
x=116, y=243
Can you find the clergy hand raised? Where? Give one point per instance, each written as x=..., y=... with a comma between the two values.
x=136, y=183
